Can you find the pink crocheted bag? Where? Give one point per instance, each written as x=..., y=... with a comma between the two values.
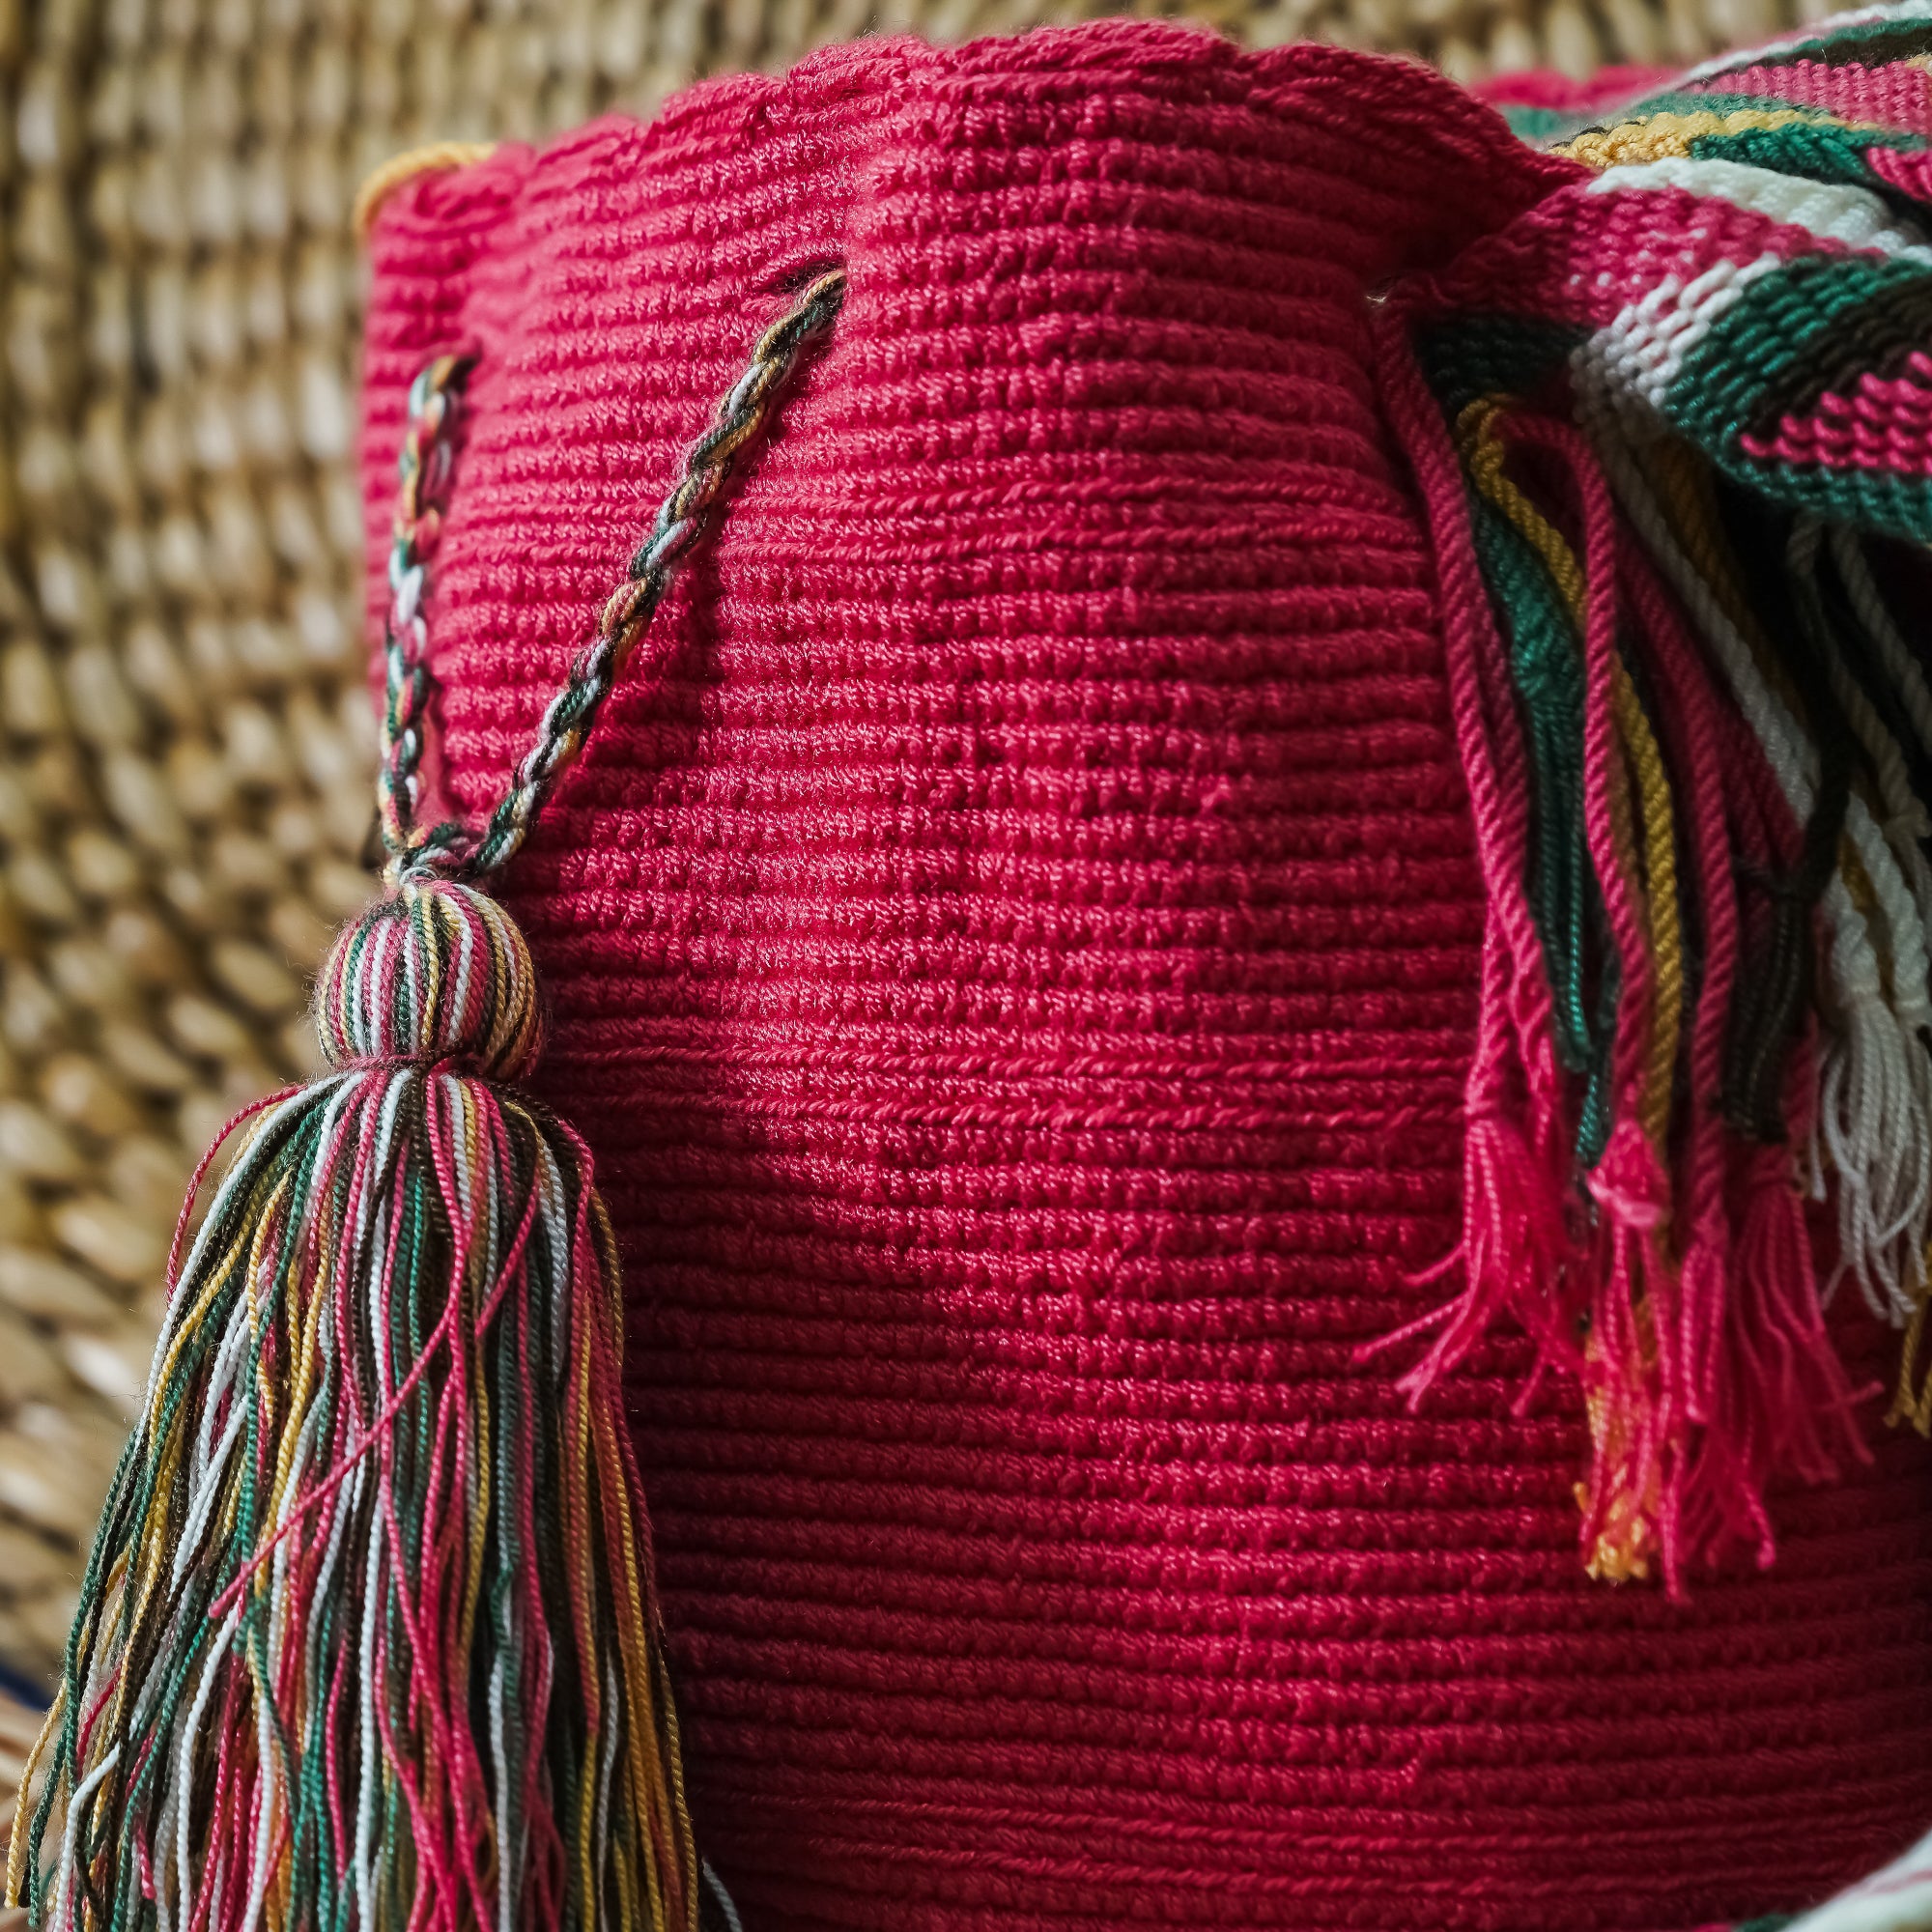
x=1015, y=949
x=1245, y=956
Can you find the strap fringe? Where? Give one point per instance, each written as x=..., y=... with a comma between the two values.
x=1669, y=429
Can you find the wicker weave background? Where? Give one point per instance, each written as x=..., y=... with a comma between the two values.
x=184, y=737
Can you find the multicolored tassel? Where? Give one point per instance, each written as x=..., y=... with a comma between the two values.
x=368, y=1638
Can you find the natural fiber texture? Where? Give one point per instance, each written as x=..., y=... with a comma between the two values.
x=1017, y=940
x=184, y=745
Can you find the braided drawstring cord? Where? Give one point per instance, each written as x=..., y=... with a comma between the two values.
x=446, y=849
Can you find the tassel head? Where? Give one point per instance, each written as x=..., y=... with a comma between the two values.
x=434, y=973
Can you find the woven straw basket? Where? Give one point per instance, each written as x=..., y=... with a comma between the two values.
x=183, y=735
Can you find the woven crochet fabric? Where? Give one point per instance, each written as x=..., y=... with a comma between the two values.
x=1015, y=940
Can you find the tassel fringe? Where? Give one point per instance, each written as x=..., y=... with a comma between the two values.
x=334, y=1648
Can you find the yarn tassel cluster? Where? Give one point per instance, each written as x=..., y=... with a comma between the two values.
x=1670, y=427
x=369, y=1638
